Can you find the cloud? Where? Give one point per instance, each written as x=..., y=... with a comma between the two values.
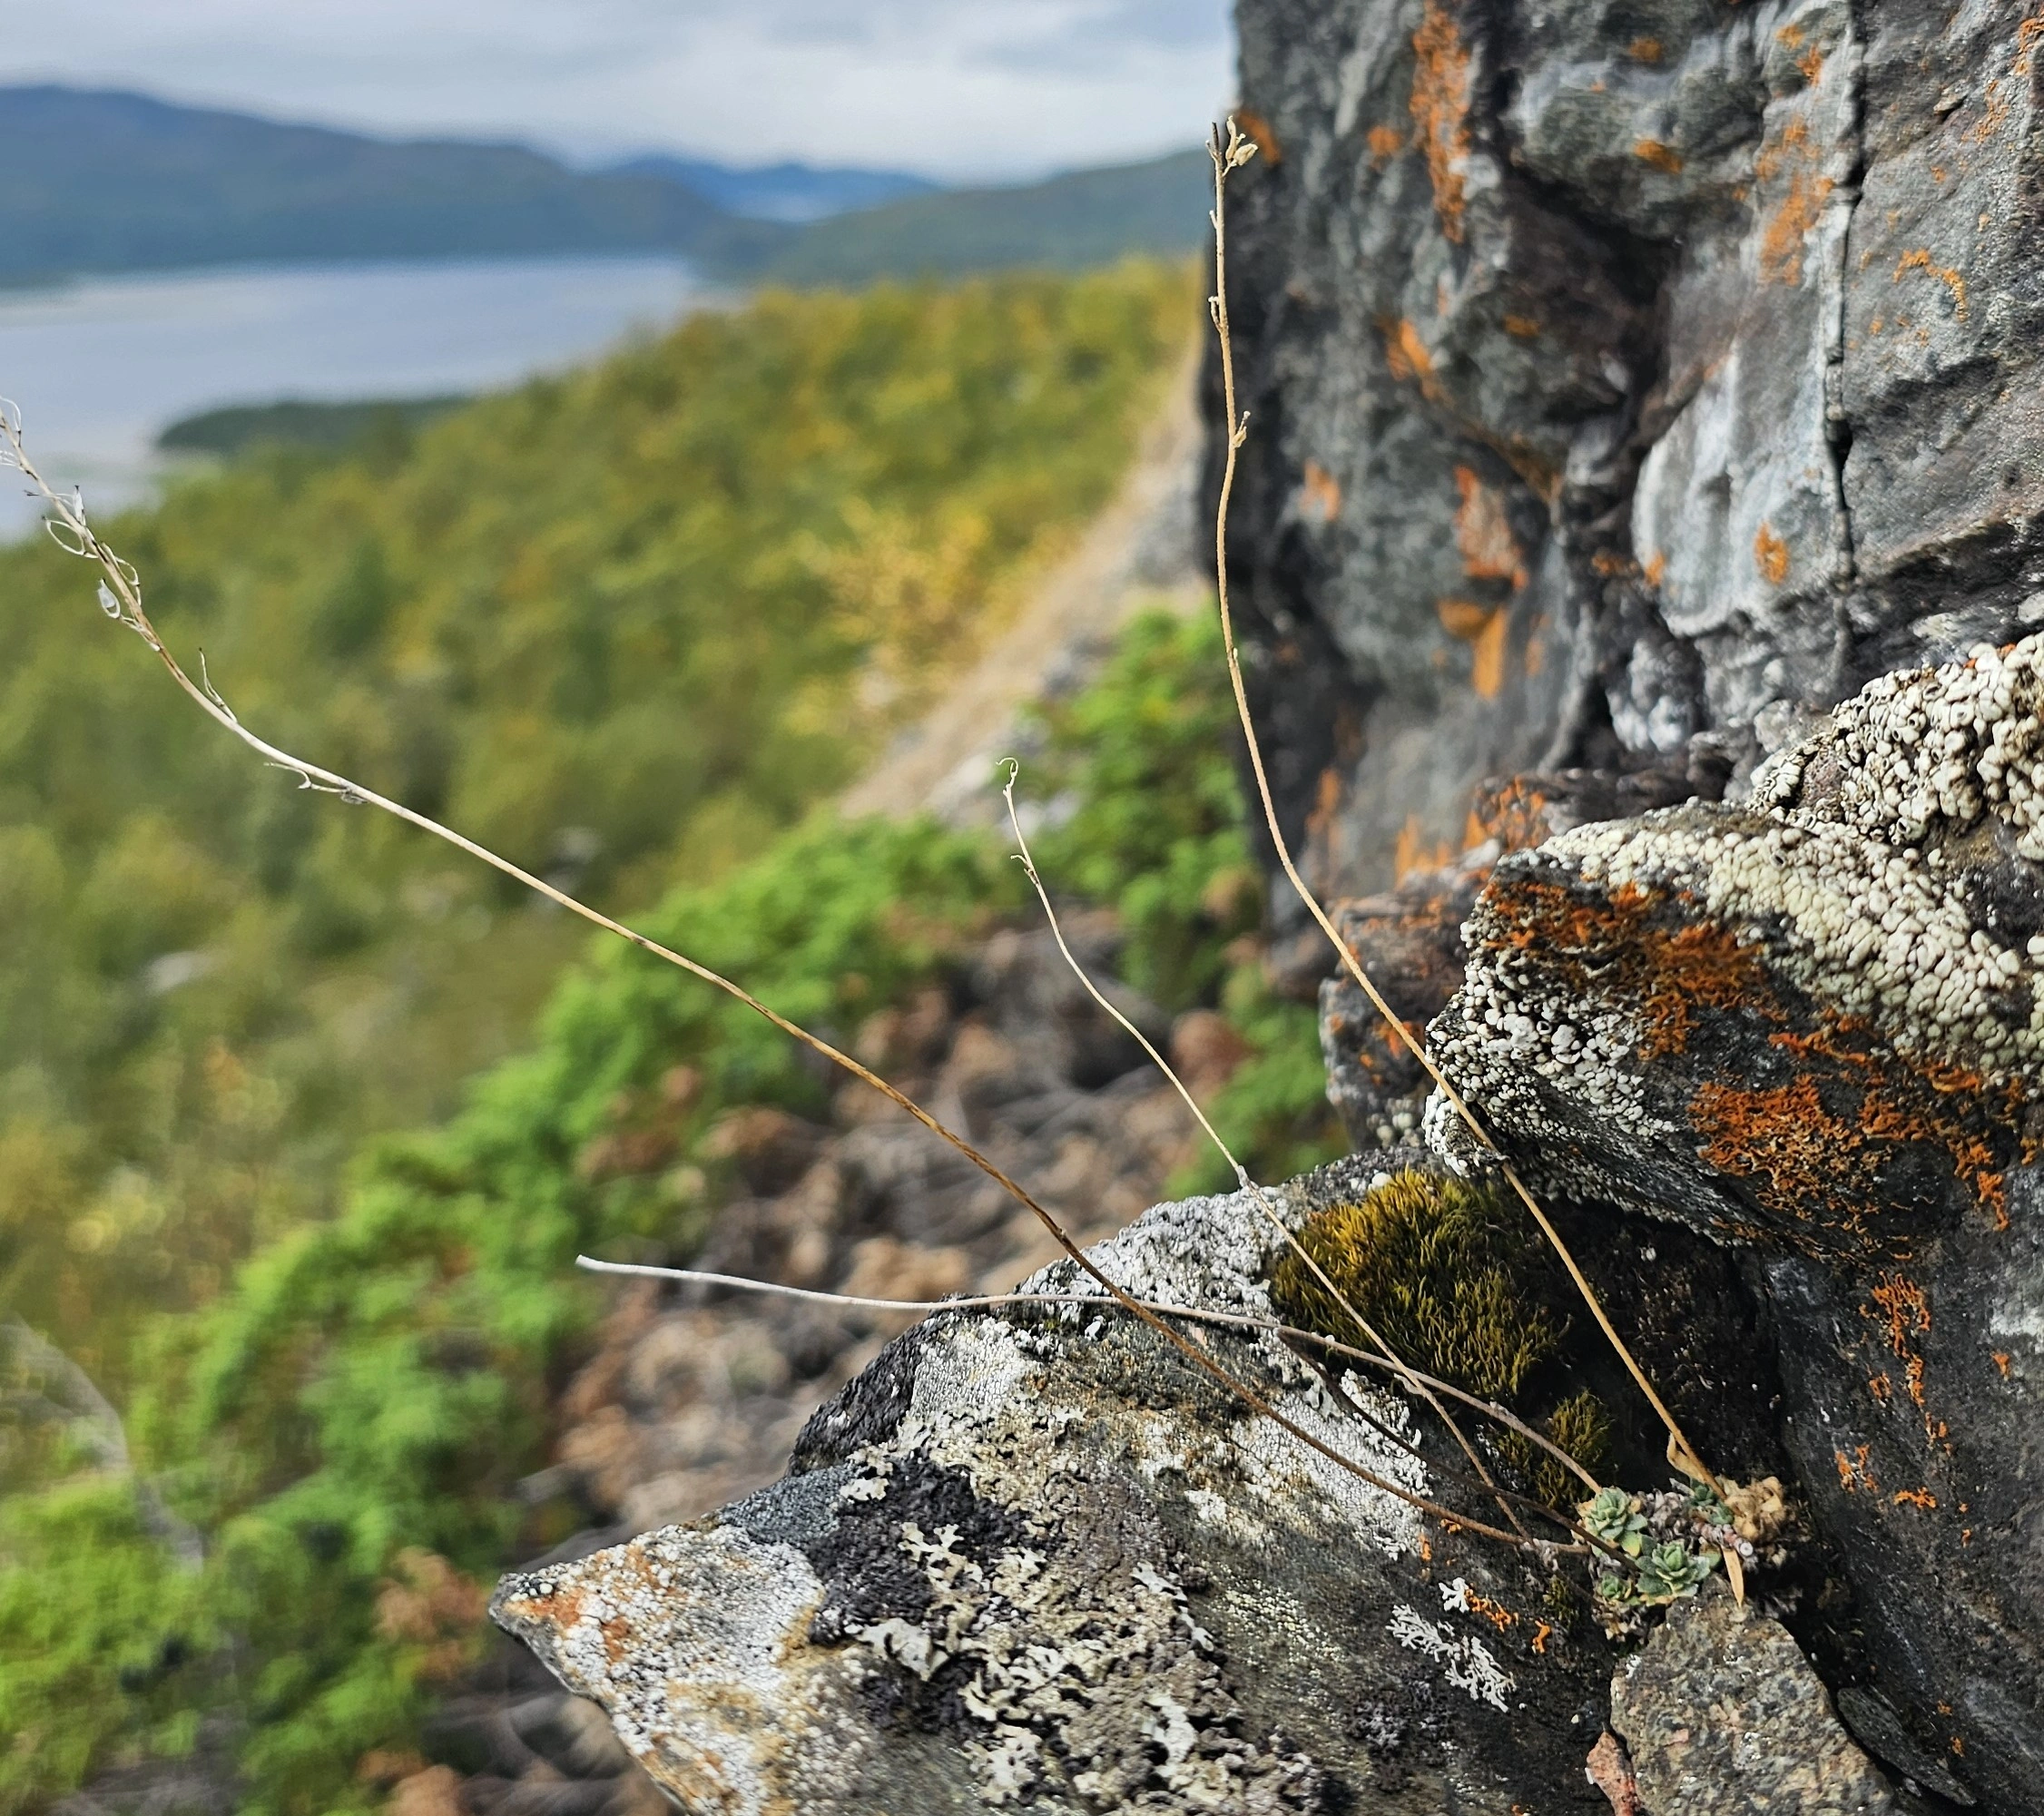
x=958, y=88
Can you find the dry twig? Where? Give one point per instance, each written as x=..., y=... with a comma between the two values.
x=1422, y=1384
x=1261, y=1197
x=1230, y=154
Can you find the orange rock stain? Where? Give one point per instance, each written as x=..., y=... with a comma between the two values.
x=1440, y=112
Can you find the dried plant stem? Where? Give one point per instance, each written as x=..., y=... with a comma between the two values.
x=1230, y=1320
x=1230, y=154
x=1261, y=1197
x=121, y=598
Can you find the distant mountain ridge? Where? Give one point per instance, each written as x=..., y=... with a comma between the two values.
x=96, y=180
x=1069, y=222
x=99, y=181
x=792, y=193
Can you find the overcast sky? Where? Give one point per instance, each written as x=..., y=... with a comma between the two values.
x=954, y=88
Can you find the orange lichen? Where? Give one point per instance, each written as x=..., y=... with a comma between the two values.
x=1783, y=1141
x=1855, y=1472
x=1463, y=618
x=2027, y=35
x=1994, y=115
x=1320, y=492
x=1667, y=974
x=1781, y=243
x=1485, y=629
x=1907, y=1312
x=1496, y=1613
x=2002, y=1362
x=1818, y=1152
x=1661, y=157
x=1699, y=967
x=1415, y=853
x=1915, y=1498
x=1440, y=111
x=1810, y=62
x=1881, y=1388
x=1484, y=532
x=1385, y=143
x=1951, y=278
x=1541, y=1635
x=1406, y=354
x=1645, y=50
x=1926, y=1103
x=1327, y=804
x=1255, y=127
x=1770, y=555
x=1515, y=815
x=1655, y=569
x=1803, y=204
x=1522, y=327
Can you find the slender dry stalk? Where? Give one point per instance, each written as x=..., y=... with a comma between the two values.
x=121, y=598
x=40, y=1384
x=1232, y=1321
x=1230, y=154
x=1261, y=1198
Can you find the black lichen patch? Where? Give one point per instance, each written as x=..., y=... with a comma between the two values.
x=869, y=1411
x=867, y=1575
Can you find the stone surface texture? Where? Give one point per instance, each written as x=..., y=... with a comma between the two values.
x=1721, y=1713
x=1628, y=383
x=1040, y=1561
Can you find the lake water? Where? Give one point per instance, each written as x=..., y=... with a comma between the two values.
x=102, y=365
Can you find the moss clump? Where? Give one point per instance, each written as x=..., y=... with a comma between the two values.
x=1435, y=1267
x=1580, y=1425
x=1439, y=1268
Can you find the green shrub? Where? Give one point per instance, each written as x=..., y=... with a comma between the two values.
x=626, y=625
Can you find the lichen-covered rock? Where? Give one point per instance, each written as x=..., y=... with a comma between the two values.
x=1809, y=1026
x=1409, y=940
x=1721, y=1713
x=1039, y=1560
x=1812, y=1020
x=1626, y=384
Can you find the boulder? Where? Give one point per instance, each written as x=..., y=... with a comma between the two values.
x=1721, y=1712
x=1035, y=1558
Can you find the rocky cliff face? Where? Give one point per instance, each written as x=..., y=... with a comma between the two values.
x=1806, y=1026
x=1629, y=381
x=1629, y=384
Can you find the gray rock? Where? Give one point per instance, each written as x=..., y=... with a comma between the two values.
x=1041, y=1561
x=1722, y=1712
x=1623, y=380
